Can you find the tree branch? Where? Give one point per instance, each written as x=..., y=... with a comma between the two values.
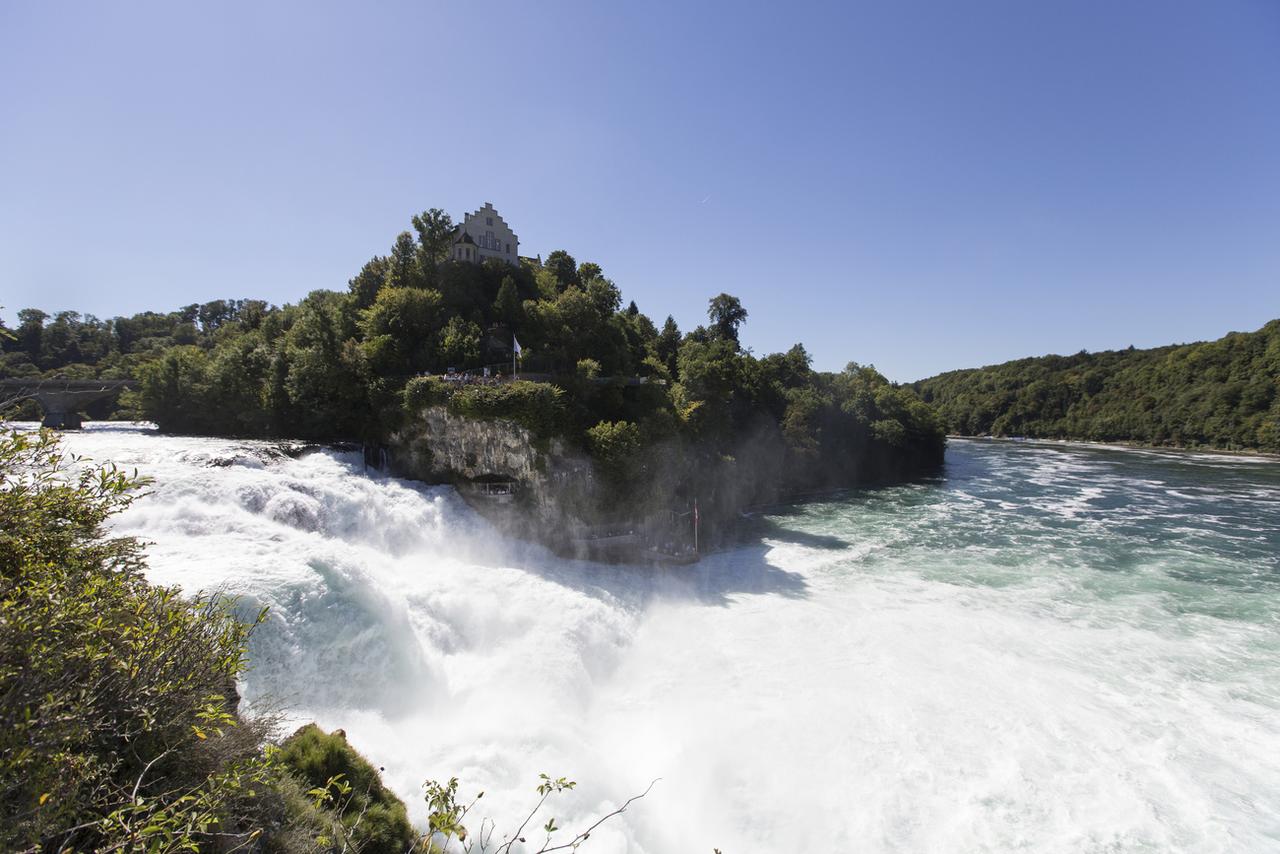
x=581, y=837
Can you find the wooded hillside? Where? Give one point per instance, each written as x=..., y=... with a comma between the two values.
x=1219, y=394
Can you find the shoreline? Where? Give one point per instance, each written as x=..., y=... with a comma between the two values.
x=1250, y=453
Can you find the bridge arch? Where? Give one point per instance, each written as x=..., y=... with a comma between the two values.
x=62, y=400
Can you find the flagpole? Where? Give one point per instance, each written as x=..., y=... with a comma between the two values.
x=695, y=526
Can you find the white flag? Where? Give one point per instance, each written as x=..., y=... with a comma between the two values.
x=515, y=344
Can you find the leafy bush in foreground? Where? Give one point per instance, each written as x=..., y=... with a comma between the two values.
x=117, y=698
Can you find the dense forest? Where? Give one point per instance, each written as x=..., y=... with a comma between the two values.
x=1218, y=394
x=335, y=366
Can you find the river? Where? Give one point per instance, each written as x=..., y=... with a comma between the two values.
x=1052, y=648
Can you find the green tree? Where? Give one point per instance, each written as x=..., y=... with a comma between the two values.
x=713, y=376
x=30, y=333
x=604, y=294
x=726, y=314
x=215, y=313
x=235, y=375
x=668, y=344
x=326, y=380
x=372, y=276
x=174, y=389
x=790, y=369
x=508, y=307
x=564, y=268
x=459, y=344
x=435, y=235
x=615, y=446
x=404, y=266
x=399, y=327
x=253, y=312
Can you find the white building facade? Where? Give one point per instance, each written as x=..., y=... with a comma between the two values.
x=484, y=235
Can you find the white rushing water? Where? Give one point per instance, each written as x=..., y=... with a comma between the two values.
x=1052, y=649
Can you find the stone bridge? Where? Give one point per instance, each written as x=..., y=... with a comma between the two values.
x=62, y=400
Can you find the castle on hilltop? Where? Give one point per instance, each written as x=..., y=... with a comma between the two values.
x=483, y=235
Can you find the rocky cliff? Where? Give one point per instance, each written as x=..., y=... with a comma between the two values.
x=551, y=483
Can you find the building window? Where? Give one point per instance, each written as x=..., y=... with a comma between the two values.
x=488, y=220
x=489, y=241
x=508, y=248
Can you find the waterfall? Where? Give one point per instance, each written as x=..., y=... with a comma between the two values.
x=1054, y=649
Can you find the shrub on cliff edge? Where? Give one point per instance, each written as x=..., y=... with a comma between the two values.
x=374, y=818
x=540, y=407
x=421, y=392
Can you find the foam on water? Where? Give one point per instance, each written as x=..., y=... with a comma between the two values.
x=1055, y=648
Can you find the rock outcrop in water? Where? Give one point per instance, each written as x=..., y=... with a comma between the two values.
x=529, y=484
x=665, y=499
x=437, y=445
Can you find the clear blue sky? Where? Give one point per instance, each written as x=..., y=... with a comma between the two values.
x=922, y=186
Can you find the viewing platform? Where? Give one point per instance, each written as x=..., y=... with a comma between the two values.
x=477, y=377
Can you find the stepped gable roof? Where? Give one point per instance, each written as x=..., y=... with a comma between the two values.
x=489, y=210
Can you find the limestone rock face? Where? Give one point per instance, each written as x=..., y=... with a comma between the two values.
x=440, y=447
